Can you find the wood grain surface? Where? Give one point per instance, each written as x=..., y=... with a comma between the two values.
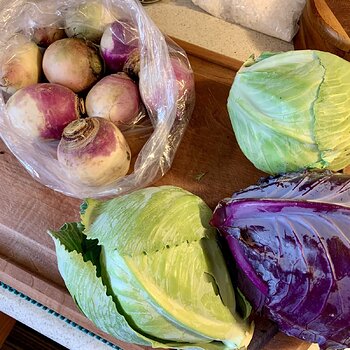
x=325, y=25
x=208, y=163
x=25, y=338
x=6, y=325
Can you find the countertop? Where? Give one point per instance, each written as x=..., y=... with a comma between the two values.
x=185, y=21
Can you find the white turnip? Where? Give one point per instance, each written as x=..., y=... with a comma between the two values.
x=87, y=21
x=20, y=64
x=72, y=63
x=42, y=111
x=116, y=98
x=132, y=65
x=45, y=36
x=93, y=152
x=117, y=43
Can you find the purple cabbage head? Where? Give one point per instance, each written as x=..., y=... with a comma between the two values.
x=290, y=239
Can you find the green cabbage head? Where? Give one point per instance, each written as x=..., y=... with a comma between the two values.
x=291, y=111
x=147, y=269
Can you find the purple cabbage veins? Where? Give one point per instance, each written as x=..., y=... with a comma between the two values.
x=290, y=238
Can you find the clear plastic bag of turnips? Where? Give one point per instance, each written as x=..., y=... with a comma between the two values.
x=95, y=99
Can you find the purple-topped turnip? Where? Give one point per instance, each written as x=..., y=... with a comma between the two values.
x=184, y=83
x=184, y=77
x=72, y=63
x=42, y=111
x=117, y=43
x=116, y=98
x=87, y=21
x=45, y=36
x=20, y=64
x=93, y=152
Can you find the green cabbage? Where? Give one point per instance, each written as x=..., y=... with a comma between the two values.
x=291, y=111
x=147, y=269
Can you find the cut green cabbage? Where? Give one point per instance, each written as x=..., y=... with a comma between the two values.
x=147, y=269
x=290, y=111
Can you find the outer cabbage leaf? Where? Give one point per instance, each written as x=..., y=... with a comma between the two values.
x=332, y=113
x=289, y=111
x=86, y=287
x=290, y=239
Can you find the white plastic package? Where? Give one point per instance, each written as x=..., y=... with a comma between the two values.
x=167, y=94
x=277, y=18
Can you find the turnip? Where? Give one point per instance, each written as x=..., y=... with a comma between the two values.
x=184, y=77
x=132, y=65
x=87, y=21
x=41, y=111
x=45, y=36
x=184, y=84
x=117, y=43
x=93, y=152
x=72, y=63
x=42, y=22
x=20, y=64
x=116, y=98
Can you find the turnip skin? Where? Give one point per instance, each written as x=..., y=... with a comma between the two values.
x=42, y=111
x=45, y=36
x=118, y=41
x=94, y=152
x=116, y=98
x=20, y=64
x=73, y=63
x=87, y=21
x=184, y=84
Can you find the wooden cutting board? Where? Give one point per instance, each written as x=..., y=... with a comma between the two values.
x=325, y=25
x=208, y=163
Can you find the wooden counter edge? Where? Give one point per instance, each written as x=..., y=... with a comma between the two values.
x=208, y=55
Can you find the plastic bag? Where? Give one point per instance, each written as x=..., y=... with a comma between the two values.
x=168, y=97
x=277, y=18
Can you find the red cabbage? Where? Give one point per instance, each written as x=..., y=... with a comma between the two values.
x=290, y=238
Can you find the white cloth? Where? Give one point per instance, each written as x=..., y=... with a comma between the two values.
x=277, y=18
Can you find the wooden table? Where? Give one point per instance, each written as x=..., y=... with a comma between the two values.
x=209, y=163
